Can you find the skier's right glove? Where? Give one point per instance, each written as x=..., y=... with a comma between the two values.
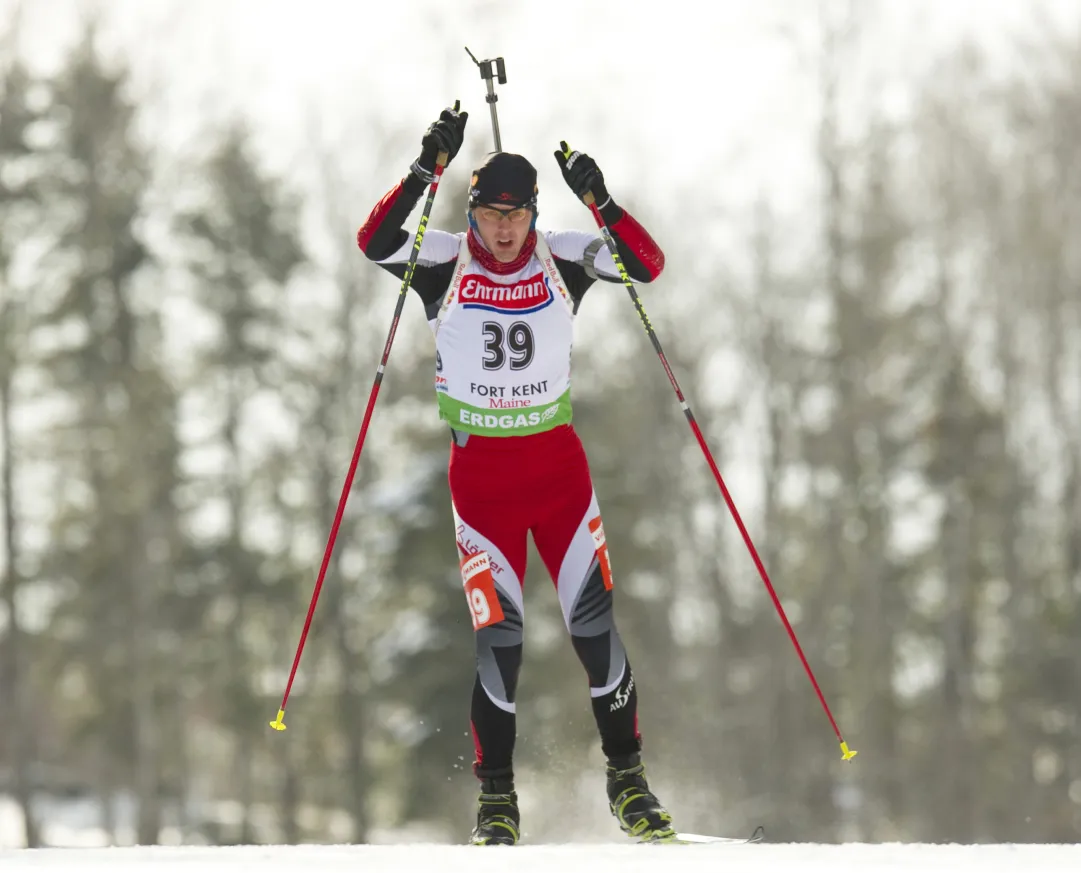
x=582, y=174
x=444, y=135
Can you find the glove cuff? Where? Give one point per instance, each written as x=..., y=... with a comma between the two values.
x=600, y=193
x=420, y=169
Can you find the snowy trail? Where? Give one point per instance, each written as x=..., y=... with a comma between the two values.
x=791, y=858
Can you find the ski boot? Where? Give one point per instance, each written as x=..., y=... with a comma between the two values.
x=638, y=811
x=497, y=814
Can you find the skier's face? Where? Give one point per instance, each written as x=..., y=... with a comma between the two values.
x=503, y=229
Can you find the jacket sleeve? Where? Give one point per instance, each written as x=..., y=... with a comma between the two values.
x=640, y=254
x=583, y=258
x=386, y=242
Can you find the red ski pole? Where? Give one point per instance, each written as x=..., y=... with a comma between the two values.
x=440, y=163
x=846, y=753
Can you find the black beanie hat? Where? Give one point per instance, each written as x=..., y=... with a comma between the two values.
x=504, y=178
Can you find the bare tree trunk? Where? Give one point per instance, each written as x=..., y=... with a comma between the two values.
x=144, y=706
x=782, y=390
x=955, y=817
x=351, y=705
x=350, y=700
x=830, y=154
x=22, y=751
x=235, y=649
x=352, y=715
x=107, y=796
x=290, y=797
x=1062, y=350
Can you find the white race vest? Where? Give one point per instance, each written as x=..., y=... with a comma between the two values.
x=503, y=348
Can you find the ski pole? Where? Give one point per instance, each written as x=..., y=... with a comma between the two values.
x=490, y=69
x=440, y=163
x=846, y=753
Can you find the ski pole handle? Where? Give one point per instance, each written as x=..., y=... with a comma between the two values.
x=587, y=198
x=443, y=157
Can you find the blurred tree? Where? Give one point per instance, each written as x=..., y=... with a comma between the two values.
x=115, y=526
x=344, y=335
x=17, y=116
x=241, y=248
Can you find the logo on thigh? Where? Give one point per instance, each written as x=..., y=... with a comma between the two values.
x=601, y=546
x=468, y=548
x=480, y=593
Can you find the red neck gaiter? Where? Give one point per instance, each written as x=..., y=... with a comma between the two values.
x=488, y=260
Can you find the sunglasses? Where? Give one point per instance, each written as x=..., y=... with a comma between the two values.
x=495, y=215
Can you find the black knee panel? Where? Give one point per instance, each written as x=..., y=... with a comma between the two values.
x=593, y=632
x=499, y=655
x=592, y=610
x=595, y=653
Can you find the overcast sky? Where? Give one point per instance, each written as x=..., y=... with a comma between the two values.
x=659, y=92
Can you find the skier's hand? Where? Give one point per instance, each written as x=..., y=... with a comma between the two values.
x=581, y=173
x=444, y=135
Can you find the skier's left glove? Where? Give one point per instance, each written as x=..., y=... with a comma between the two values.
x=582, y=174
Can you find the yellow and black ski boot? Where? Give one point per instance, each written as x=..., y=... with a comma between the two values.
x=637, y=809
x=497, y=814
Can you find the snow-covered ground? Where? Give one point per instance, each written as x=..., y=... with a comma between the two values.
x=791, y=858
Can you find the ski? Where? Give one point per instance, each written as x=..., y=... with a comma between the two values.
x=688, y=839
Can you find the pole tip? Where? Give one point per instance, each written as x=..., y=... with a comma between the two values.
x=846, y=753
x=278, y=724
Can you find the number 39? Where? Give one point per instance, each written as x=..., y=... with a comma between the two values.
x=519, y=339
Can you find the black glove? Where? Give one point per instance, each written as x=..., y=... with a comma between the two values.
x=581, y=174
x=444, y=135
